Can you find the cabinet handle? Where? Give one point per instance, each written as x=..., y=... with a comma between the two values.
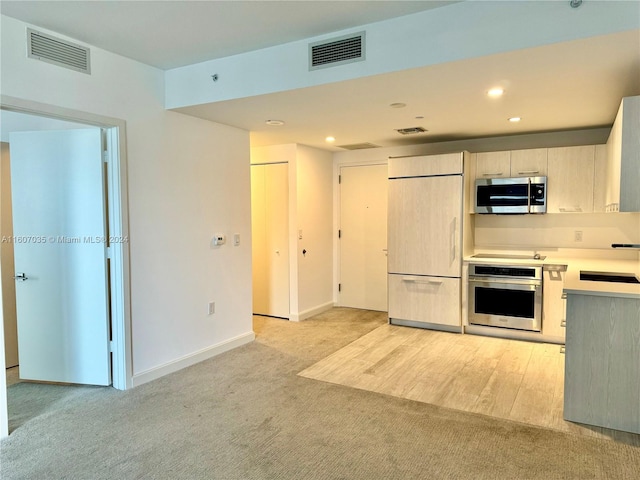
x=452, y=239
x=422, y=282
x=570, y=209
x=525, y=172
x=492, y=174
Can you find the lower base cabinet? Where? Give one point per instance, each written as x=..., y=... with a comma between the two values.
x=554, y=302
x=423, y=299
x=602, y=362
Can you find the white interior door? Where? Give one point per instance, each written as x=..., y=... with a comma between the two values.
x=270, y=239
x=363, y=237
x=59, y=228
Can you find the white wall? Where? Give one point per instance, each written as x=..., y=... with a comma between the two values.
x=187, y=179
x=455, y=32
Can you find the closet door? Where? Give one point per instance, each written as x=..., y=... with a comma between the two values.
x=270, y=232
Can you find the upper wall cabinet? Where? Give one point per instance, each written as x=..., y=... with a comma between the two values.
x=571, y=173
x=515, y=163
x=623, y=159
x=493, y=164
x=529, y=163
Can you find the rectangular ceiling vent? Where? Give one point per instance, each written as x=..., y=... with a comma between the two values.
x=337, y=51
x=57, y=51
x=358, y=146
x=411, y=130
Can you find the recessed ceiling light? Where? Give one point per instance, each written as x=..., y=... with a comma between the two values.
x=398, y=105
x=330, y=139
x=515, y=119
x=275, y=123
x=495, y=92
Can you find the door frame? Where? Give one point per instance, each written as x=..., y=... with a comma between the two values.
x=118, y=220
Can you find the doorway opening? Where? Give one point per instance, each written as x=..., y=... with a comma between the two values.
x=112, y=141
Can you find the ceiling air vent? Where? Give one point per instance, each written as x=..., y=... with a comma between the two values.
x=337, y=51
x=57, y=51
x=358, y=146
x=411, y=130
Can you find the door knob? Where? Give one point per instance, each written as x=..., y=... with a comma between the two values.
x=21, y=276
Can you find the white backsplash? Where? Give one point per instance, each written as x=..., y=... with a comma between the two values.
x=556, y=230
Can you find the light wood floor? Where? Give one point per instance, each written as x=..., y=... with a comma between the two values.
x=511, y=379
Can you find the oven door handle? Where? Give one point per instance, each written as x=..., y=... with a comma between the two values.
x=515, y=285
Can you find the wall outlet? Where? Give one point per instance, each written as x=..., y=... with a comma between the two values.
x=211, y=308
x=577, y=235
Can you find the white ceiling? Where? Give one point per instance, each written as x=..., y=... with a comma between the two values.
x=570, y=85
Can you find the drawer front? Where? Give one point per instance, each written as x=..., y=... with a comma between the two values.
x=425, y=299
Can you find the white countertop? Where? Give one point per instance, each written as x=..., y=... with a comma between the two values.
x=572, y=282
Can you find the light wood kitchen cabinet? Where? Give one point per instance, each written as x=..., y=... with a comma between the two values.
x=554, y=303
x=424, y=299
x=599, y=183
x=425, y=165
x=623, y=159
x=529, y=163
x=570, y=179
x=493, y=164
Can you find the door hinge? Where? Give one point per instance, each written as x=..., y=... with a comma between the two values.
x=105, y=156
x=112, y=347
x=339, y=179
x=108, y=249
x=339, y=233
x=339, y=287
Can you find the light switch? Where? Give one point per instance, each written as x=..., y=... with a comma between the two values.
x=236, y=239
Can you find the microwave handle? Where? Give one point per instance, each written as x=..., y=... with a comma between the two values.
x=529, y=195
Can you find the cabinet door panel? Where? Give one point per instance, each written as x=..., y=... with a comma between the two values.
x=424, y=229
x=425, y=299
x=531, y=162
x=416, y=166
x=570, y=182
x=554, y=305
x=493, y=164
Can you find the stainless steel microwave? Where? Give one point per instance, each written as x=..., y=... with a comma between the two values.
x=511, y=195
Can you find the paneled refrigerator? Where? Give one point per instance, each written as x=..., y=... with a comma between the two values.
x=426, y=241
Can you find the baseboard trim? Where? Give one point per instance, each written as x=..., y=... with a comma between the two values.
x=311, y=312
x=192, y=359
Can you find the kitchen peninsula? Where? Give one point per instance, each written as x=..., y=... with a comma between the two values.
x=602, y=364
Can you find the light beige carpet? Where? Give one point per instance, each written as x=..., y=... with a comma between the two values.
x=248, y=415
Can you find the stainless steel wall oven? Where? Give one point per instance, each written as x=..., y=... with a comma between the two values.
x=508, y=296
